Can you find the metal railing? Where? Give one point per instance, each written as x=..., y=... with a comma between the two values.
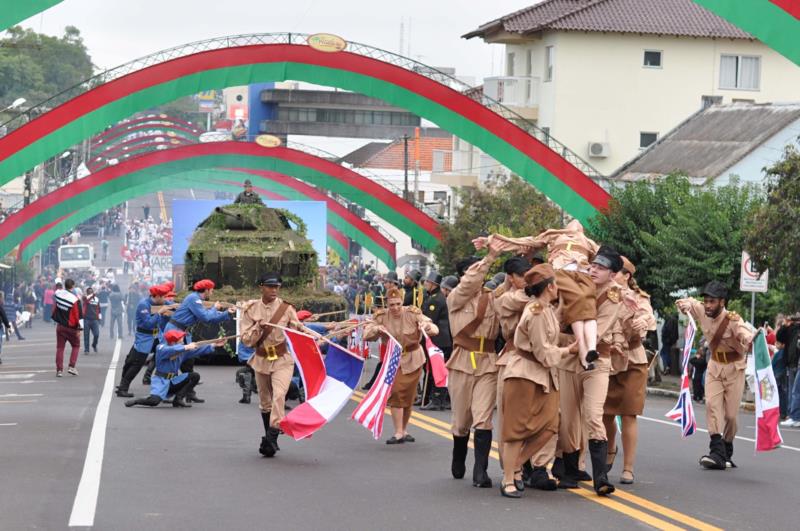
x=300, y=38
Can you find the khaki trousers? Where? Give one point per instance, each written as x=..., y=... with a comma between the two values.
x=546, y=454
x=472, y=400
x=272, y=388
x=582, y=397
x=499, y=400
x=724, y=388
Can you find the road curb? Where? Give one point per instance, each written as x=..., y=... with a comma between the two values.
x=657, y=391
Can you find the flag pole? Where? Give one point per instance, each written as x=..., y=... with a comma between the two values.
x=317, y=336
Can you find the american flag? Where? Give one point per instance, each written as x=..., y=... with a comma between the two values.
x=369, y=413
x=684, y=410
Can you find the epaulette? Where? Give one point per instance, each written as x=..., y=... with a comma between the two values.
x=733, y=316
x=248, y=304
x=379, y=312
x=414, y=309
x=500, y=290
x=614, y=294
x=536, y=307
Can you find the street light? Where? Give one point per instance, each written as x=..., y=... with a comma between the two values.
x=17, y=102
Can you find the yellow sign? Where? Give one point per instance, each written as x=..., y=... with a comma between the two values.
x=326, y=42
x=268, y=141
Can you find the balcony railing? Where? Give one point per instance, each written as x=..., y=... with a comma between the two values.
x=513, y=91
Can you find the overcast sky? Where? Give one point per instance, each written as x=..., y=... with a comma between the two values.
x=116, y=31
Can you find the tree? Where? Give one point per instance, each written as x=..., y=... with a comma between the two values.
x=36, y=67
x=679, y=236
x=507, y=206
x=774, y=228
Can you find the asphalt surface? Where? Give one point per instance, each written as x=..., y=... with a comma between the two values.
x=199, y=468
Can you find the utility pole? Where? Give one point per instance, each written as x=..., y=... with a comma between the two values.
x=405, y=167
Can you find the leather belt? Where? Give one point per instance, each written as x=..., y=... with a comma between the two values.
x=481, y=345
x=604, y=349
x=570, y=247
x=726, y=357
x=272, y=352
x=154, y=331
x=180, y=326
x=167, y=375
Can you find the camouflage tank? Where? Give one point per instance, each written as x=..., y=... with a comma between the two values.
x=239, y=242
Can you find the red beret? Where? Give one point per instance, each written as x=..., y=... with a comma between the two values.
x=304, y=314
x=169, y=285
x=173, y=336
x=204, y=284
x=171, y=295
x=157, y=291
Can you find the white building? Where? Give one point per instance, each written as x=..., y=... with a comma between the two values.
x=607, y=78
x=719, y=143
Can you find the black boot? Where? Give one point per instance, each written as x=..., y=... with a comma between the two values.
x=483, y=445
x=272, y=440
x=527, y=472
x=599, y=452
x=717, y=456
x=539, y=479
x=148, y=372
x=728, y=454
x=568, y=478
x=245, y=397
x=151, y=401
x=180, y=401
x=459, y=465
x=266, y=449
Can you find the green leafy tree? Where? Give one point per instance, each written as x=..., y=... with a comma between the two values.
x=507, y=206
x=773, y=229
x=35, y=66
x=679, y=236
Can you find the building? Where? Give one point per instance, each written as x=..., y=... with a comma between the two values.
x=719, y=143
x=608, y=78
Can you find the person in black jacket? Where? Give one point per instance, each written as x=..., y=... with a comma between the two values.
x=699, y=363
x=6, y=329
x=434, y=306
x=669, y=335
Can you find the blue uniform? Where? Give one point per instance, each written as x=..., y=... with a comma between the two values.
x=168, y=363
x=190, y=312
x=147, y=326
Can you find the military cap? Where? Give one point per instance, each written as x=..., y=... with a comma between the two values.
x=202, y=285
x=173, y=336
x=463, y=264
x=414, y=275
x=449, y=282
x=715, y=289
x=391, y=276
x=539, y=273
x=248, y=182
x=434, y=277
x=608, y=258
x=628, y=266
x=499, y=278
x=270, y=278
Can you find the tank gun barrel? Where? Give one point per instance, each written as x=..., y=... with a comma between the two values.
x=235, y=221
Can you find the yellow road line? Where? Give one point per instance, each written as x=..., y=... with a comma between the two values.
x=434, y=425
x=163, y=206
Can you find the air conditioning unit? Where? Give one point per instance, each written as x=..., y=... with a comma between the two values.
x=599, y=150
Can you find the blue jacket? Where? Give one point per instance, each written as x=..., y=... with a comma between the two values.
x=143, y=342
x=191, y=311
x=168, y=360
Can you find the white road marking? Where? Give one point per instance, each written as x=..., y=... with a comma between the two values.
x=8, y=424
x=748, y=439
x=22, y=376
x=85, y=505
x=15, y=395
x=29, y=382
x=27, y=371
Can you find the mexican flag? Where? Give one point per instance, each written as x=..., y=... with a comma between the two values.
x=768, y=437
x=776, y=23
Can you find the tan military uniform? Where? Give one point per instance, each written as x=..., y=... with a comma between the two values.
x=272, y=362
x=627, y=385
x=583, y=392
x=509, y=303
x=472, y=377
x=531, y=393
x=725, y=373
x=406, y=330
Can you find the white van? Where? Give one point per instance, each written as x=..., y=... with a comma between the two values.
x=75, y=257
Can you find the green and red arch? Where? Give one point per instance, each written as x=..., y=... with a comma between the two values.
x=323, y=173
x=134, y=147
x=90, y=112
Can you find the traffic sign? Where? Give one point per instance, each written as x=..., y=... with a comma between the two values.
x=750, y=279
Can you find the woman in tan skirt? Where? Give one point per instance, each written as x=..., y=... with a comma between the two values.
x=627, y=384
x=530, y=392
x=405, y=324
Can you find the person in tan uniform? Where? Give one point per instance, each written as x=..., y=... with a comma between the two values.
x=627, y=384
x=569, y=251
x=583, y=391
x=272, y=363
x=510, y=301
x=530, y=394
x=472, y=372
x=405, y=324
x=729, y=338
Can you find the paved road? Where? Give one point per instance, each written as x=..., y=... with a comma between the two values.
x=167, y=469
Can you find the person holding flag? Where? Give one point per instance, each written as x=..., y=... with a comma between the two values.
x=405, y=324
x=729, y=339
x=273, y=365
x=434, y=306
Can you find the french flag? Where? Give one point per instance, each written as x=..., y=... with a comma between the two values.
x=329, y=384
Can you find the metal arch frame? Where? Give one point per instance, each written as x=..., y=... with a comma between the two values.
x=353, y=186
x=231, y=41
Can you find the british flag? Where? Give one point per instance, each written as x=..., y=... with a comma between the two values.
x=369, y=413
x=684, y=410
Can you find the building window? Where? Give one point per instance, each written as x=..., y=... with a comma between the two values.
x=440, y=196
x=548, y=63
x=739, y=72
x=510, y=64
x=646, y=139
x=652, y=59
